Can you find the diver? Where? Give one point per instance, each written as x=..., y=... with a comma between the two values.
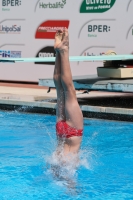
x=69, y=126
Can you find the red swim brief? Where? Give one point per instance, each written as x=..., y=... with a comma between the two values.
x=64, y=130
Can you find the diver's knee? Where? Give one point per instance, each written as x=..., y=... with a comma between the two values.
x=56, y=78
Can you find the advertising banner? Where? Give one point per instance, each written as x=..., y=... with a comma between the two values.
x=27, y=29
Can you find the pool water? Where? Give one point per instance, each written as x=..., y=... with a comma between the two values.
x=27, y=142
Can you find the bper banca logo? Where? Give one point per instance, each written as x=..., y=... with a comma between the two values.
x=11, y=2
x=93, y=29
x=13, y=29
x=96, y=6
x=7, y=4
x=98, y=28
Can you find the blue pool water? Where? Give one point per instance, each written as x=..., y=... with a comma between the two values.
x=27, y=142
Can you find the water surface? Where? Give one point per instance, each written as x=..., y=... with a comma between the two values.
x=27, y=142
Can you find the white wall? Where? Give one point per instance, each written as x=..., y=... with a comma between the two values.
x=115, y=32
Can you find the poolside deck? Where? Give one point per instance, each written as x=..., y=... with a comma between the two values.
x=96, y=83
x=95, y=104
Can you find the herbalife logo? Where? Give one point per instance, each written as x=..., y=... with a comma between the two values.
x=13, y=29
x=96, y=6
x=59, y=4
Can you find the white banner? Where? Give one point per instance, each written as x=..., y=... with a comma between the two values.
x=27, y=29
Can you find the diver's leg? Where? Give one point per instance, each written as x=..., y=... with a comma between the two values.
x=73, y=113
x=60, y=109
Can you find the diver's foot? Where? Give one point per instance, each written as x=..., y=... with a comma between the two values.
x=61, y=40
x=58, y=39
